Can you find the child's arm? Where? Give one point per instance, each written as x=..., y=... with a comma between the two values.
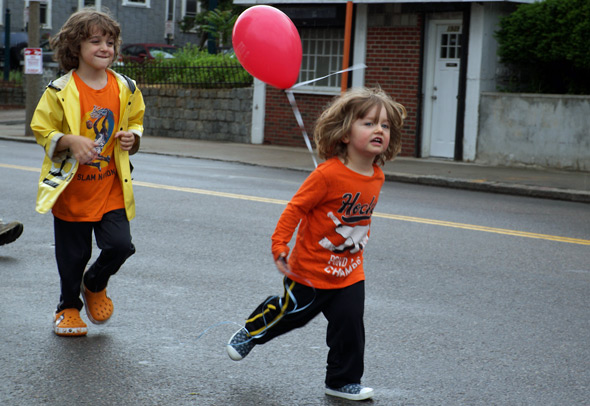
x=309, y=195
x=82, y=148
x=48, y=125
x=135, y=123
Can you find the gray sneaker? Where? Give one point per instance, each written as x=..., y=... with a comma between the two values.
x=352, y=391
x=10, y=232
x=240, y=345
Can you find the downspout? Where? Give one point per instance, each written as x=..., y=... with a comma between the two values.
x=461, y=96
x=420, y=93
x=347, y=40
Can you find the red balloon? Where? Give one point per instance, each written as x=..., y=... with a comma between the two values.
x=268, y=45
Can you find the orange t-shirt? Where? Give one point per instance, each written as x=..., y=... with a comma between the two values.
x=95, y=189
x=333, y=209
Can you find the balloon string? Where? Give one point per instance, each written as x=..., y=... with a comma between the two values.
x=288, y=293
x=299, y=119
x=297, y=113
x=353, y=67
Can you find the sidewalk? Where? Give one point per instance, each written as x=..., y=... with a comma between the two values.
x=545, y=183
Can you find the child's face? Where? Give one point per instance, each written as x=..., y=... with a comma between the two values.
x=97, y=51
x=369, y=135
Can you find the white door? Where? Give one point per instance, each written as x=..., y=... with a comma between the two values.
x=442, y=87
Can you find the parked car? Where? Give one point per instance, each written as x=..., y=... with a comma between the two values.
x=141, y=52
x=18, y=42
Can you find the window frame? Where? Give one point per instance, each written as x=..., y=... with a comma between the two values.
x=183, y=13
x=136, y=3
x=97, y=4
x=309, y=61
x=48, y=22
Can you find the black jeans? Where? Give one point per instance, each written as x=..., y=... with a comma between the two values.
x=73, y=249
x=344, y=310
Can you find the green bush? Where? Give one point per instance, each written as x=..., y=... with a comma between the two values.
x=547, y=46
x=190, y=67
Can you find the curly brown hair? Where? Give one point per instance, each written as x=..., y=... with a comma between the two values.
x=336, y=122
x=79, y=27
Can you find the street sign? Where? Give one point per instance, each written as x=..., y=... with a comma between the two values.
x=33, y=61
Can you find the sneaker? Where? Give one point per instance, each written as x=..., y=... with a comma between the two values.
x=99, y=307
x=240, y=345
x=10, y=232
x=352, y=391
x=68, y=323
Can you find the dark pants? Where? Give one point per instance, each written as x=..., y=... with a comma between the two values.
x=73, y=249
x=344, y=310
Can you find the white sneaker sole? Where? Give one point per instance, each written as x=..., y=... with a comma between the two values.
x=366, y=393
x=233, y=354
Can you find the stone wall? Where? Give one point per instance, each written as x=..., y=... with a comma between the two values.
x=204, y=114
x=550, y=131
x=12, y=95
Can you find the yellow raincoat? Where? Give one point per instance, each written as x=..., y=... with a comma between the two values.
x=58, y=113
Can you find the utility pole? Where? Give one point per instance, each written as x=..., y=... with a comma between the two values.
x=33, y=81
x=7, y=45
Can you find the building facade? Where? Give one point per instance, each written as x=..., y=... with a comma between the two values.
x=152, y=21
x=434, y=57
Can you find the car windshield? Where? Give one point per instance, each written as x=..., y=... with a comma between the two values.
x=165, y=52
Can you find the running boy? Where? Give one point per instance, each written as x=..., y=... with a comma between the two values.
x=358, y=132
x=88, y=122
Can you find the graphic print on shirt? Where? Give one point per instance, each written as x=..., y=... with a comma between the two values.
x=100, y=125
x=353, y=239
x=355, y=236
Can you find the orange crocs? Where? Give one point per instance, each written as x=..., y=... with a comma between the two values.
x=68, y=323
x=99, y=307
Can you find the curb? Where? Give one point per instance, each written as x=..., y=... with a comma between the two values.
x=493, y=187
x=426, y=180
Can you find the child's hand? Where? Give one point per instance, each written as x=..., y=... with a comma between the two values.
x=83, y=149
x=283, y=265
x=126, y=139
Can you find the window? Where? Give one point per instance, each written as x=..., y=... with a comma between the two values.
x=190, y=8
x=322, y=55
x=44, y=13
x=450, y=44
x=89, y=3
x=140, y=3
x=170, y=10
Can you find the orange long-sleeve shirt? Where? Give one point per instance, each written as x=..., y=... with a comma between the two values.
x=333, y=209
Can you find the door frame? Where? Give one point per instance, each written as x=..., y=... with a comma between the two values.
x=429, y=67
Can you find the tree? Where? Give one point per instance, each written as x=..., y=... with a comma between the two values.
x=547, y=44
x=217, y=23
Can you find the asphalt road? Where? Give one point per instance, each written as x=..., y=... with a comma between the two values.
x=472, y=298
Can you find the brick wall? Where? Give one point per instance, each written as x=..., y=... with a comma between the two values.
x=393, y=63
x=280, y=127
